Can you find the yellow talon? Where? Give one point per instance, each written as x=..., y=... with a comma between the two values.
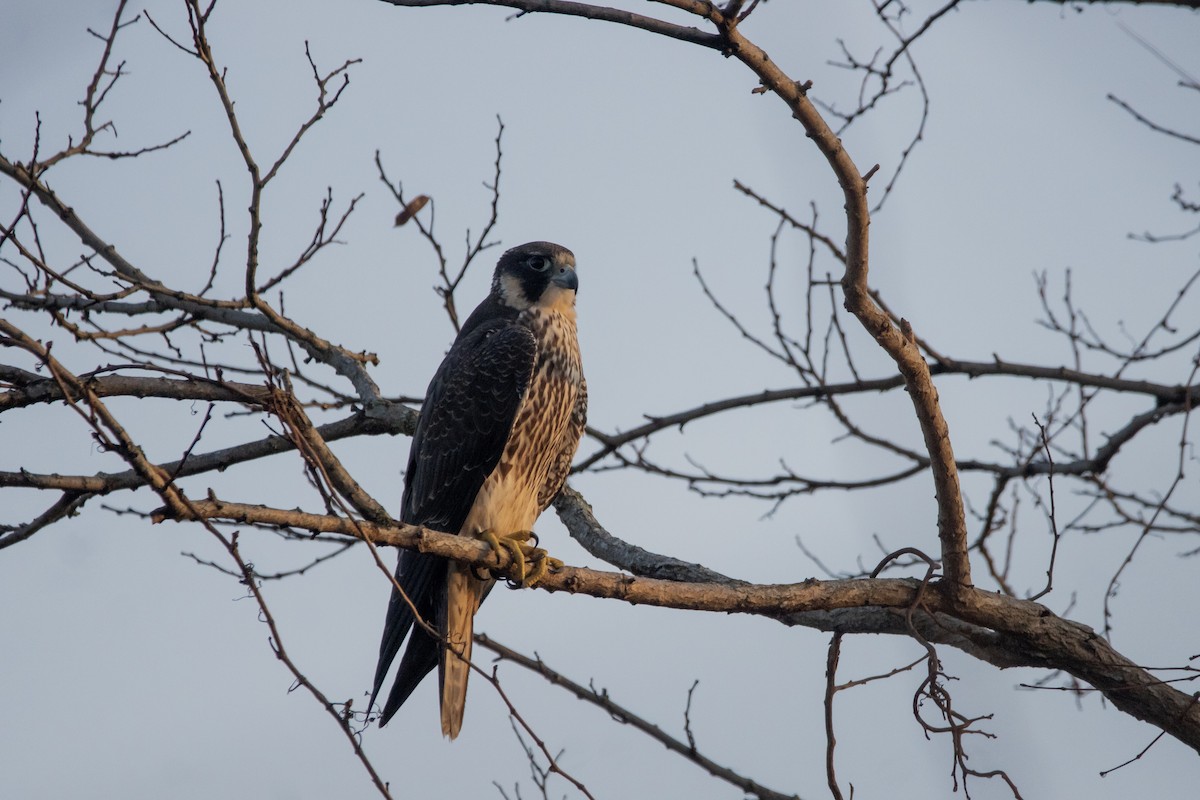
x=542, y=564
x=530, y=561
x=510, y=543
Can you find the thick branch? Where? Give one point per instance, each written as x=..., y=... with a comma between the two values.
x=900, y=345
x=1033, y=634
x=576, y=514
x=766, y=600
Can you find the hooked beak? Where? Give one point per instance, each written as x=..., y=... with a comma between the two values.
x=566, y=278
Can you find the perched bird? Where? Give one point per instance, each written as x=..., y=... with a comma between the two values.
x=499, y=426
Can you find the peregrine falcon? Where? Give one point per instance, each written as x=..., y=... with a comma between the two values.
x=499, y=426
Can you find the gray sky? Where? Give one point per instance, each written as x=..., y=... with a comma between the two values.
x=128, y=671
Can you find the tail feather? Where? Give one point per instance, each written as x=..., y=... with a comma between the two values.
x=464, y=592
x=420, y=657
x=423, y=579
x=446, y=596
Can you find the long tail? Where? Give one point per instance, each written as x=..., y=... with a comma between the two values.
x=424, y=580
x=464, y=592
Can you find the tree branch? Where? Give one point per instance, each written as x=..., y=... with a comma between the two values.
x=1032, y=634
x=587, y=11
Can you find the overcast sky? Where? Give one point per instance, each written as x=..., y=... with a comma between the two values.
x=127, y=670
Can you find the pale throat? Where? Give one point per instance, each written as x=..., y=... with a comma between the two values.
x=558, y=300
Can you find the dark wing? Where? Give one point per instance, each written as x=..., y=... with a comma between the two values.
x=464, y=425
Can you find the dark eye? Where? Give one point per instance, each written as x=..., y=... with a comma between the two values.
x=538, y=263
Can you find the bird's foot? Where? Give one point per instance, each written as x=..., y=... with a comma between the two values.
x=531, y=562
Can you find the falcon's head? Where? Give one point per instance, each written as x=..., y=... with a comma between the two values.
x=536, y=274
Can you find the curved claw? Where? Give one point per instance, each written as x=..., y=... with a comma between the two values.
x=530, y=561
x=543, y=563
x=511, y=543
